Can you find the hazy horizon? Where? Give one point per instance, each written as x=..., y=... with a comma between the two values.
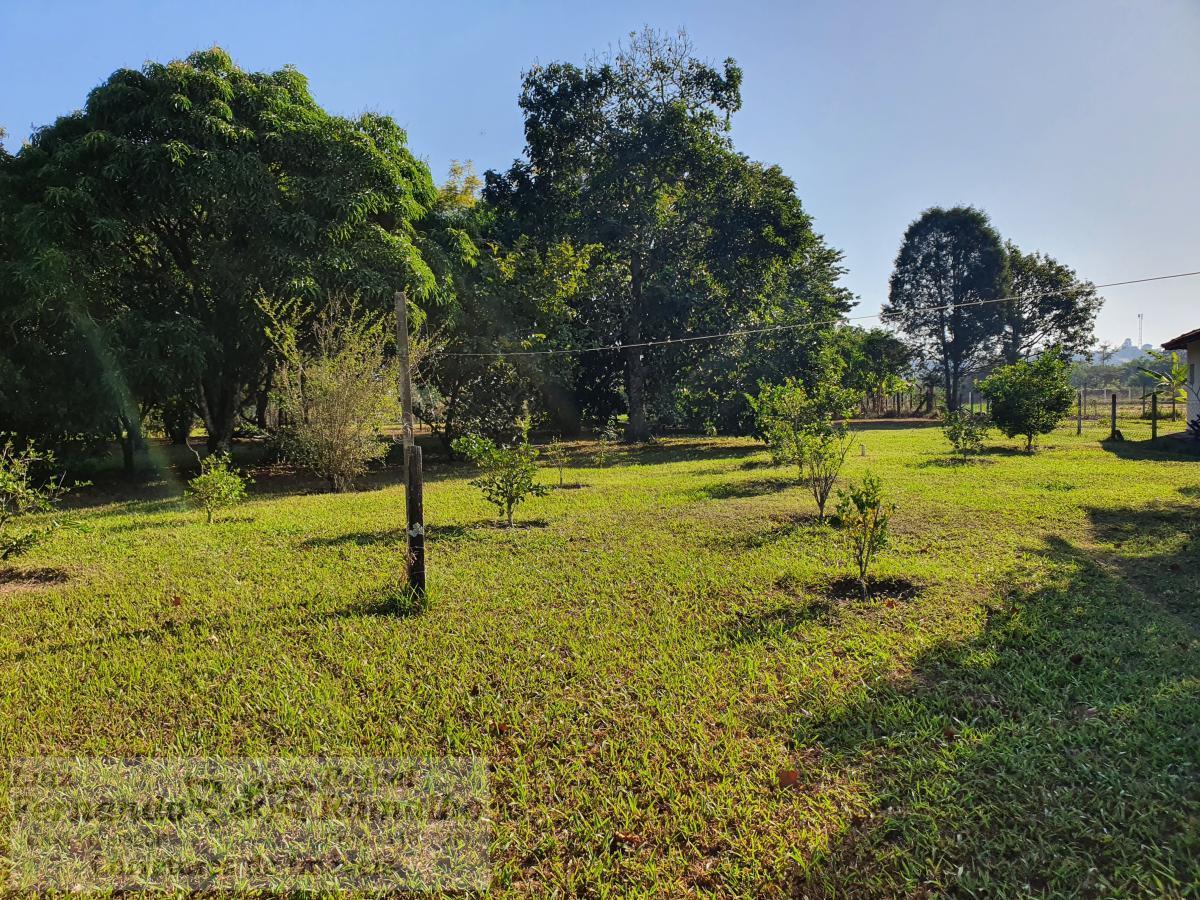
x=1074, y=125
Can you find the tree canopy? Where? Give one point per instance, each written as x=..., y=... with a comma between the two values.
x=152, y=221
x=951, y=263
x=631, y=155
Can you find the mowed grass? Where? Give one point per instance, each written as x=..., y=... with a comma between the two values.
x=674, y=693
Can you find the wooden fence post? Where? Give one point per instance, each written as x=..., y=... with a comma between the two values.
x=414, y=486
x=415, y=503
x=1113, y=435
x=1154, y=416
x=1079, y=416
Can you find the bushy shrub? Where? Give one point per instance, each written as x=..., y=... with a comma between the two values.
x=336, y=397
x=864, y=517
x=507, y=472
x=21, y=496
x=965, y=430
x=803, y=428
x=786, y=415
x=1029, y=397
x=218, y=486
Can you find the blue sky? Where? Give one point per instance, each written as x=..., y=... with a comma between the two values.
x=1074, y=123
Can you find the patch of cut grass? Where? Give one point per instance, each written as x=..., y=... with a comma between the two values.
x=671, y=693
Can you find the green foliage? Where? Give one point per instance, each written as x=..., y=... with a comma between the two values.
x=218, y=486
x=336, y=397
x=1050, y=307
x=145, y=226
x=824, y=450
x=556, y=455
x=864, y=517
x=965, y=430
x=507, y=471
x=22, y=496
x=1029, y=397
x=789, y=415
x=630, y=154
x=950, y=260
x=606, y=440
x=1170, y=377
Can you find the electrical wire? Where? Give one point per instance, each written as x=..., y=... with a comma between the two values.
x=686, y=339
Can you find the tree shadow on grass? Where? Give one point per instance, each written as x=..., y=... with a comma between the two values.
x=1165, y=448
x=1055, y=753
x=32, y=578
x=777, y=621
x=390, y=536
x=731, y=490
x=782, y=528
x=954, y=462
x=847, y=587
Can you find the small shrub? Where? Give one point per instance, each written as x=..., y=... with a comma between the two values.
x=556, y=455
x=864, y=516
x=336, y=397
x=218, y=486
x=21, y=497
x=965, y=430
x=824, y=454
x=1029, y=397
x=507, y=472
x=608, y=438
x=788, y=414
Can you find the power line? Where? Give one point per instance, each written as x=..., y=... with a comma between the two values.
x=687, y=339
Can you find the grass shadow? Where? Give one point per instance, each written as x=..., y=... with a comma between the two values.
x=1045, y=754
x=732, y=490
x=954, y=462
x=847, y=587
x=1164, y=448
x=28, y=579
x=776, y=622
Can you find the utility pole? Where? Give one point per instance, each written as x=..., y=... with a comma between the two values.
x=414, y=486
x=1141, y=316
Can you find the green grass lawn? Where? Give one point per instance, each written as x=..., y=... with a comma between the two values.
x=673, y=690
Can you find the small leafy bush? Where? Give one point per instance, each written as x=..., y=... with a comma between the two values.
x=824, y=454
x=1029, y=397
x=787, y=414
x=864, y=517
x=608, y=438
x=507, y=472
x=965, y=430
x=218, y=486
x=21, y=496
x=556, y=455
x=338, y=394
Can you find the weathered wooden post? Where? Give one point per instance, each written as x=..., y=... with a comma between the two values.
x=1113, y=434
x=414, y=487
x=415, y=504
x=1079, y=415
x=1154, y=416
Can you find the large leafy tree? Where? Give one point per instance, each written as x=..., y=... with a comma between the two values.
x=153, y=222
x=1050, y=306
x=951, y=263
x=631, y=155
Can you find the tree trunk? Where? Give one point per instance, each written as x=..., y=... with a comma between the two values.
x=134, y=453
x=638, y=427
x=219, y=405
